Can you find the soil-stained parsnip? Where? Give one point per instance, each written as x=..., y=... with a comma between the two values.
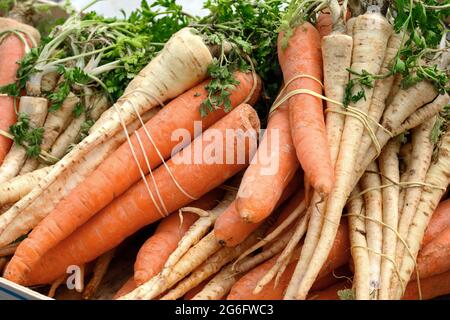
x=301, y=63
x=219, y=286
x=230, y=229
x=167, y=189
x=337, y=54
x=434, y=258
x=120, y=171
x=16, y=188
x=389, y=168
x=213, y=265
x=422, y=151
x=181, y=64
x=154, y=252
x=438, y=176
x=371, y=182
x=15, y=223
x=36, y=110
x=271, y=169
x=370, y=36
x=358, y=243
x=55, y=123
x=100, y=269
x=244, y=287
x=424, y=113
x=67, y=138
x=12, y=50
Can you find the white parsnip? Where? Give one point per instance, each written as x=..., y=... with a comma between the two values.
x=36, y=110
x=389, y=167
x=371, y=33
x=18, y=187
x=182, y=63
x=55, y=123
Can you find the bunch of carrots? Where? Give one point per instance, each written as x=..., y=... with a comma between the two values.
x=347, y=181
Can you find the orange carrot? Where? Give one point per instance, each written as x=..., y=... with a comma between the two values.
x=243, y=289
x=324, y=23
x=120, y=170
x=127, y=287
x=434, y=258
x=230, y=229
x=272, y=167
x=134, y=209
x=302, y=58
x=155, y=251
x=440, y=220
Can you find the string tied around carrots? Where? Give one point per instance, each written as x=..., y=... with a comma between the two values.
x=363, y=117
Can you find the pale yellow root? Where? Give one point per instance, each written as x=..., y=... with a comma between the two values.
x=359, y=246
x=3, y=262
x=374, y=231
x=337, y=54
x=438, y=175
x=380, y=92
x=36, y=110
x=417, y=170
x=219, y=286
x=55, y=285
x=299, y=211
x=18, y=187
x=100, y=269
x=284, y=257
x=196, y=233
x=389, y=167
x=424, y=113
x=212, y=265
x=8, y=250
x=349, y=26
x=193, y=258
x=182, y=63
x=54, y=124
x=405, y=105
x=67, y=138
x=99, y=104
x=371, y=33
x=15, y=222
x=8, y=24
